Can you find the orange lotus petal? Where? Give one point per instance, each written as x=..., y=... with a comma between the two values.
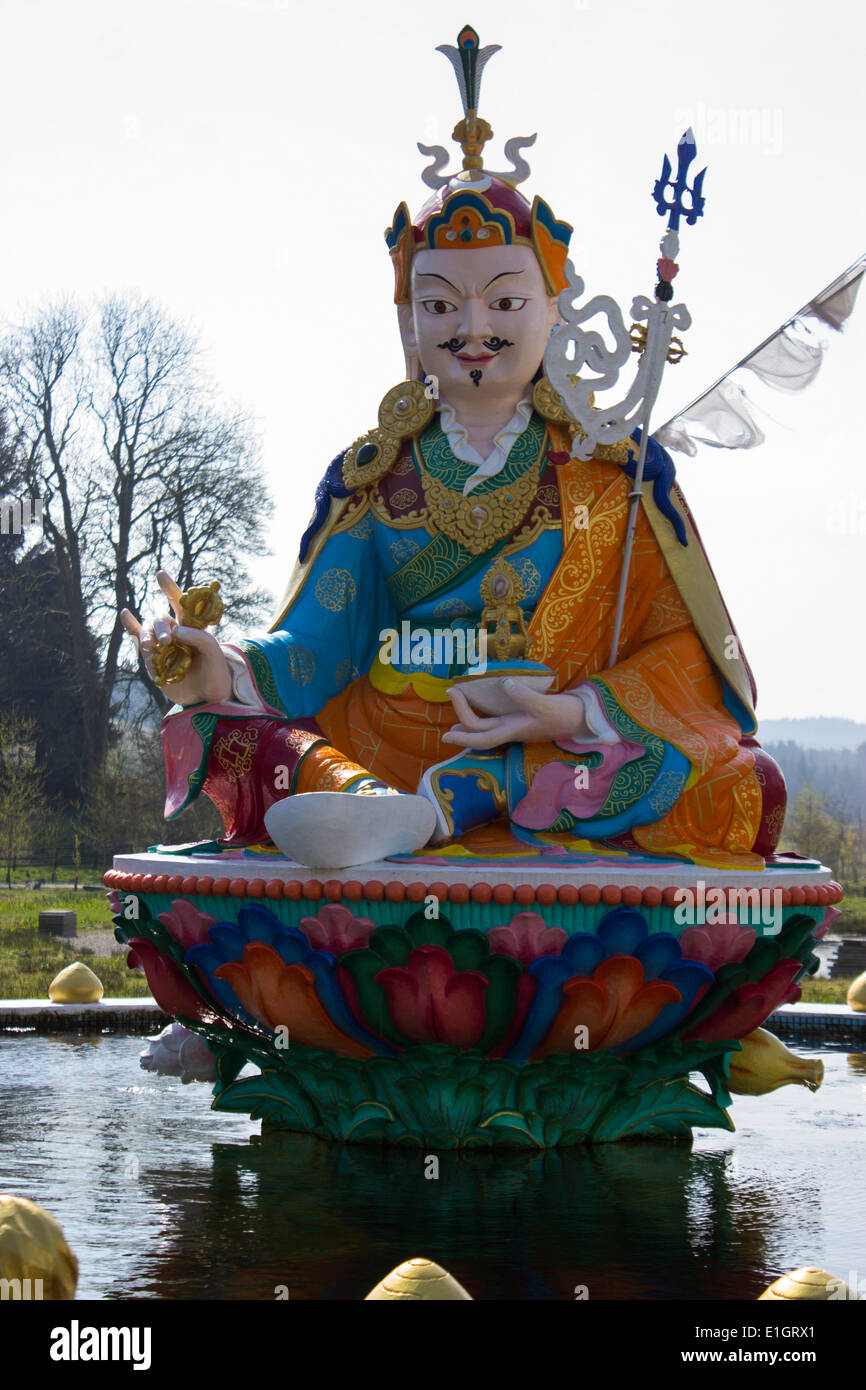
x=636, y=1005
x=615, y=1005
x=643, y=1009
x=585, y=1004
x=247, y=985
x=277, y=993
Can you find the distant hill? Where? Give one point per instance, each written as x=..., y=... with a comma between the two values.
x=836, y=773
x=824, y=733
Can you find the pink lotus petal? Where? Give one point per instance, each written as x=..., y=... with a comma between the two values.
x=830, y=915
x=430, y=1001
x=527, y=937
x=748, y=1007
x=719, y=943
x=186, y=923
x=336, y=929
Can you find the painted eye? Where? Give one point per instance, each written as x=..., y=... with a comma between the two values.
x=438, y=306
x=508, y=303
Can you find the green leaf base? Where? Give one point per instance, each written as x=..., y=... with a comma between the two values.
x=439, y=1097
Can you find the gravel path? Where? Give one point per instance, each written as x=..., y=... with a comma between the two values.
x=101, y=943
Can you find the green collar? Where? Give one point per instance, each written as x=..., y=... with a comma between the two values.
x=440, y=460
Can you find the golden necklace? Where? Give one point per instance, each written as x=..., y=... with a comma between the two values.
x=477, y=523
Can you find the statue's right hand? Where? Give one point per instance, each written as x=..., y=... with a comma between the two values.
x=209, y=678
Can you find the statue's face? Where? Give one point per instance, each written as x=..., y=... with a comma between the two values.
x=479, y=320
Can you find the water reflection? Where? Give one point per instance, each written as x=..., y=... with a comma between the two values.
x=160, y=1197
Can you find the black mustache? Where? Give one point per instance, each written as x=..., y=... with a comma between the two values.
x=456, y=345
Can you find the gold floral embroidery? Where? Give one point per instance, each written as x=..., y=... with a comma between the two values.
x=404, y=497
x=403, y=549
x=336, y=590
x=411, y=521
x=529, y=576
x=579, y=572
x=345, y=672
x=235, y=752
x=302, y=664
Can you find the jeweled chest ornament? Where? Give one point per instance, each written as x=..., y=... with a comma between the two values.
x=478, y=523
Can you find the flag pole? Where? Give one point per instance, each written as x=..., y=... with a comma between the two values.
x=687, y=202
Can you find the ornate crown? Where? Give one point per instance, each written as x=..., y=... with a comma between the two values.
x=476, y=207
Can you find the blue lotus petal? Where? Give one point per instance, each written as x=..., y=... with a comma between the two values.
x=622, y=931
x=551, y=972
x=321, y=963
x=206, y=956
x=290, y=950
x=688, y=977
x=583, y=952
x=258, y=924
x=658, y=953
x=227, y=940
x=208, y=959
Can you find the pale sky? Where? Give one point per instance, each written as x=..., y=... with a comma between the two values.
x=238, y=162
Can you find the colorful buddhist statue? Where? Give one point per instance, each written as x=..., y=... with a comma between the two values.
x=503, y=674
x=363, y=688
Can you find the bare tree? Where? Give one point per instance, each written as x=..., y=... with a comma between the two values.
x=139, y=466
x=22, y=799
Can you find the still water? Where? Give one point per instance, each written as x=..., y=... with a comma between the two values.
x=160, y=1197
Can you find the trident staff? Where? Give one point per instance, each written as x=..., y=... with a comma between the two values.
x=572, y=346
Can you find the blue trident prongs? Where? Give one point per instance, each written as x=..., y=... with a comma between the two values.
x=684, y=201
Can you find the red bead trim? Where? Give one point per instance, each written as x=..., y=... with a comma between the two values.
x=502, y=894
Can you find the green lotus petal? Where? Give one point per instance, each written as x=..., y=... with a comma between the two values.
x=428, y=931
x=363, y=966
x=502, y=973
x=469, y=949
x=798, y=932
x=576, y=1107
x=271, y=1097
x=522, y=1127
x=229, y=1062
x=761, y=958
x=391, y=944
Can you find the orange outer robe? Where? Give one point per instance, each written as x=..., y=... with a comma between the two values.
x=679, y=673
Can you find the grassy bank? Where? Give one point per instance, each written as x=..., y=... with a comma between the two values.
x=825, y=991
x=29, y=962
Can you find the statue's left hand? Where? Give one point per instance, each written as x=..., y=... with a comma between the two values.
x=537, y=719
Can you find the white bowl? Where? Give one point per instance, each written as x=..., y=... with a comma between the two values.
x=487, y=692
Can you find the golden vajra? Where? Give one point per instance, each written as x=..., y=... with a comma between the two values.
x=201, y=607
x=502, y=616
